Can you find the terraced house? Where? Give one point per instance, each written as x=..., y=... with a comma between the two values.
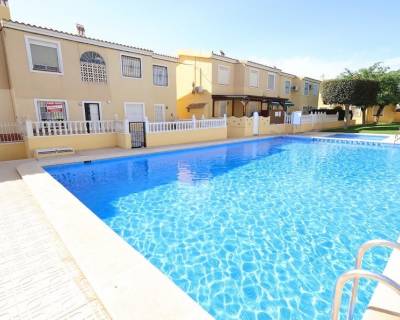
x=214, y=84
x=53, y=75
x=70, y=91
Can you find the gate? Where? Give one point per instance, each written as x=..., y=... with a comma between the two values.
x=138, y=134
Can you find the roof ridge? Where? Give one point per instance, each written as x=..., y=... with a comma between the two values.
x=90, y=38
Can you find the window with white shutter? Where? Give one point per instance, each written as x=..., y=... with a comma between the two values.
x=44, y=56
x=223, y=74
x=271, y=81
x=131, y=66
x=253, y=78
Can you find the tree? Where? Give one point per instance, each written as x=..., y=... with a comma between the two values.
x=389, y=85
x=357, y=92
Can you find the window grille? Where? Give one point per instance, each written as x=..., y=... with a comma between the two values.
x=93, y=68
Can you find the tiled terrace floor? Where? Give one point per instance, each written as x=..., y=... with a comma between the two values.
x=38, y=278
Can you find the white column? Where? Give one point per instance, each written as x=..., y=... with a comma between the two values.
x=29, y=129
x=125, y=126
x=146, y=123
x=194, y=121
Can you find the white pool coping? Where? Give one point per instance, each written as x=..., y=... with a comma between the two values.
x=127, y=284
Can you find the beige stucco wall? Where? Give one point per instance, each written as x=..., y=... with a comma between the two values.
x=27, y=85
x=12, y=151
x=197, y=71
x=240, y=127
x=181, y=137
x=298, y=97
x=78, y=142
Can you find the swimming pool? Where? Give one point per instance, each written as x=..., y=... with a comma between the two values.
x=370, y=137
x=255, y=230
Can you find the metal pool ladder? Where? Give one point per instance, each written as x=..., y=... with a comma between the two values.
x=358, y=273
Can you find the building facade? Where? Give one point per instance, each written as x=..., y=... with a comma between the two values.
x=52, y=75
x=212, y=85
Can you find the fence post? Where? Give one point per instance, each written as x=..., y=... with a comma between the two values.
x=125, y=126
x=29, y=128
x=146, y=124
x=194, y=121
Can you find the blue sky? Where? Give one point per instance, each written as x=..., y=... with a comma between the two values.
x=307, y=37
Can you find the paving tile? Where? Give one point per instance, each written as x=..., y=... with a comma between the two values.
x=38, y=277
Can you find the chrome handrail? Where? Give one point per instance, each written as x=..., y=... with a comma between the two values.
x=357, y=274
x=360, y=255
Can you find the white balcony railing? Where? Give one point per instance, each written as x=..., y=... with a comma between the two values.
x=62, y=128
x=185, y=125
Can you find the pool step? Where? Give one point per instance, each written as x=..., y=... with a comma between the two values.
x=347, y=141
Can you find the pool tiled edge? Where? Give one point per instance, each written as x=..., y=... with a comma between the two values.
x=127, y=284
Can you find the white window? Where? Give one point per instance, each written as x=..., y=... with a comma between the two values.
x=315, y=89
x=288, y=85
x=160, y=75
x=306, y=88
x=159, y=112
x=224, y=73
x=134, y=111
x=271, y=81
x=253, y=78
x=44, y=56
x=131, y=67
x=93, y=67
x=51, y=110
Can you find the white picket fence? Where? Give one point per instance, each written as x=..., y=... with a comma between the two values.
x=185, y=125
x=311, y=118
x=63, y=128
x=11, y=132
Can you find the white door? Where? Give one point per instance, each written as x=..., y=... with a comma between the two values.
x=134, y=112
x=159, y=112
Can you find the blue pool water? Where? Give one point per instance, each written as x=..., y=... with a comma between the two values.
x=256, y=230
x=369, y=137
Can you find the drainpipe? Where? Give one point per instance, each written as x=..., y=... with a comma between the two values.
x=3, y=45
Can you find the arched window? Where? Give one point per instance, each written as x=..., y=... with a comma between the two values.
x=93, y=67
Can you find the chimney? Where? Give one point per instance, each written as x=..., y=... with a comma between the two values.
x=4, y=10
x=80, y=29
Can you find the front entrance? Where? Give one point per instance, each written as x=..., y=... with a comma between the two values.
x=137, y=131
x=92, y=113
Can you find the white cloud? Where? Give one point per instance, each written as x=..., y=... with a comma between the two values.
x=320, y=68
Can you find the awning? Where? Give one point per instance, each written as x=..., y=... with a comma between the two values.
x=195, y=106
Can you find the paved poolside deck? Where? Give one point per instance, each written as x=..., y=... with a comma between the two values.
x=38, y=277
x=49, y=262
